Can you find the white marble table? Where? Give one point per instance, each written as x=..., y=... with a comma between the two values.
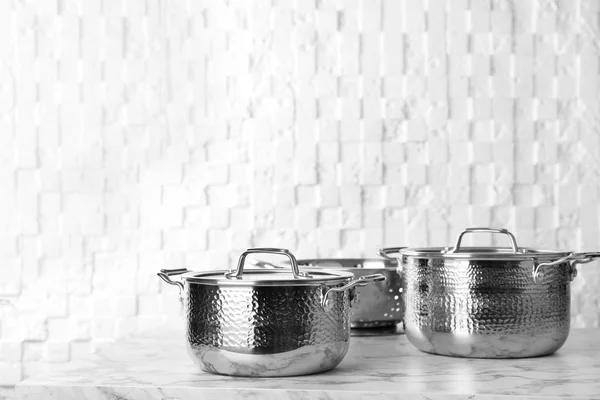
x=156, y=366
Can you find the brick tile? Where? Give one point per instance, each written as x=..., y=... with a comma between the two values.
x=56, y=352
x=11, y=351
x=10, y=373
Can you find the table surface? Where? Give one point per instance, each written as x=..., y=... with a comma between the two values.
x=156, y=366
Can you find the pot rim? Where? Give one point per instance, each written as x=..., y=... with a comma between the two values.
x=485, y=253
x=263, y=277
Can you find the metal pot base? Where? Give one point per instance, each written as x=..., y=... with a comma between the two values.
x=487, y=346
x=305, y=360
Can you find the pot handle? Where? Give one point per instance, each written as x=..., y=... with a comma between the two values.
x=389, y=250
x=513, y=241
x=362, y=281
x=237, y=274
x=575, y=258
x=165, y=275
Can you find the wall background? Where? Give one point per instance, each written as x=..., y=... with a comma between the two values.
x=136, y=136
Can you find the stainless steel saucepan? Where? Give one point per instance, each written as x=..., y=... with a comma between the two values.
x=267, y=322
x=487, y=302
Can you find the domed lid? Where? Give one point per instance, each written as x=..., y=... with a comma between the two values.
x=512, y=253
x=268, y=277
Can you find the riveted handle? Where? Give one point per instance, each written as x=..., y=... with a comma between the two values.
x=574, y=258
x=165, y=275
x=362, y=281
x=239, y=272
x=513, y=241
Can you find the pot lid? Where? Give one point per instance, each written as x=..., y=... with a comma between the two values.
x=268, y=277
x=483, y=253
x=514, y=252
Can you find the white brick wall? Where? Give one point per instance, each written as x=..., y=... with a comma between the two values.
x=141, y=135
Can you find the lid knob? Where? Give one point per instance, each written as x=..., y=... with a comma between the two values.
x=513, y=241
x=237, y=274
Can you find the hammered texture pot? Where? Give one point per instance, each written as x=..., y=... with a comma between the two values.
x=267, y=323
x=266, y=331
x=487, y=302
x=266, y=320
x=485, y=308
